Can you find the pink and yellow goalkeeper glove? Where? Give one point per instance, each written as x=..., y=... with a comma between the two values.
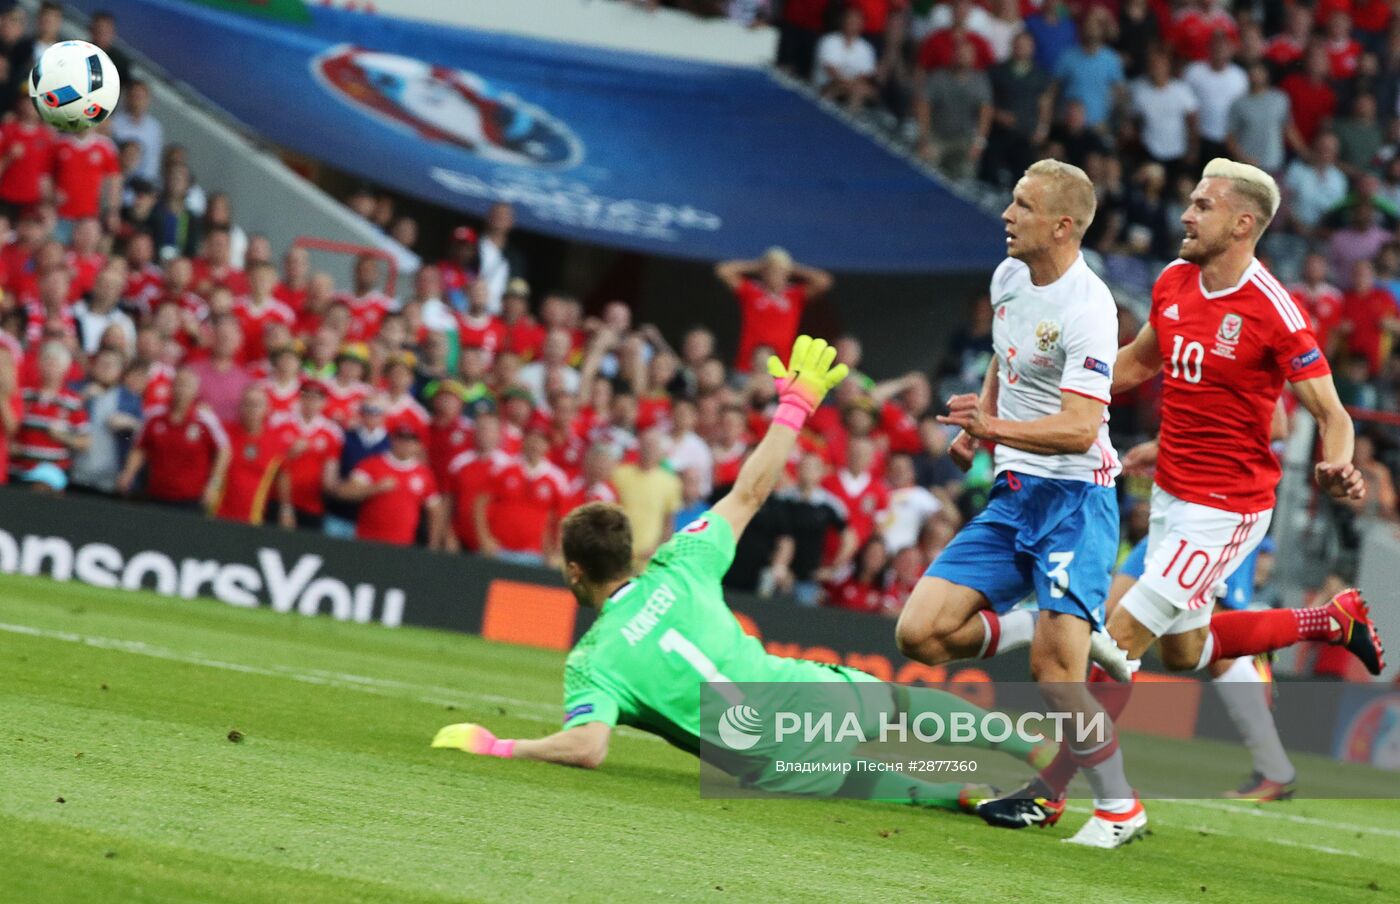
x=805, y=381
x=473, y=738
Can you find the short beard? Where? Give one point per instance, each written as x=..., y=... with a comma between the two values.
x=1203, y=253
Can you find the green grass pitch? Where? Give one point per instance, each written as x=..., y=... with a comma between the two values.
x=119, y=783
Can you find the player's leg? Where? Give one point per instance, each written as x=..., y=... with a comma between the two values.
x=1244, y=686
x=916, y=702
x=869, y=780
x=953, y=611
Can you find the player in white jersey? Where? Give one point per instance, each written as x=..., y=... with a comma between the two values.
x=1051, y=525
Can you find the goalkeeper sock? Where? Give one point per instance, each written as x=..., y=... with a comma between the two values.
x=1245, y=693
x=917, y=701
x=897, y=787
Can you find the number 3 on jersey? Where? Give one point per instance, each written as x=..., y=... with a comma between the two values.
x=1187, y=359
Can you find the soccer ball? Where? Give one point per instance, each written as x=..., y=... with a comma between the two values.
x=74, y=86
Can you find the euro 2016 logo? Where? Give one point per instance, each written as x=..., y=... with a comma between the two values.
x=740, y=727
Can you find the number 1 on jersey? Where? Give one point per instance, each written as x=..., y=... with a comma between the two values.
x=673, y=641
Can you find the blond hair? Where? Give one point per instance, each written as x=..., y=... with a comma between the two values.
x=1255, y=185
x=1072, y=190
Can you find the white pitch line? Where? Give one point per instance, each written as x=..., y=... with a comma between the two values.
x=1319, y=848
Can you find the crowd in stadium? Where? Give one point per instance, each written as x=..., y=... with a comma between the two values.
x=151, y=348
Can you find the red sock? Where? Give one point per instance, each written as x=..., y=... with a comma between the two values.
x=1113, y=697
x=1250, y=633
x=991, y=625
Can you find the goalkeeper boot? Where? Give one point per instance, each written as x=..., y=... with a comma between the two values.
x=1033, y=805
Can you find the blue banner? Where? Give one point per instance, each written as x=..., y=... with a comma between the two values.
x=640, y=152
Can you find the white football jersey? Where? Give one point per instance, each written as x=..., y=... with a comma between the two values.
x=1051, y=339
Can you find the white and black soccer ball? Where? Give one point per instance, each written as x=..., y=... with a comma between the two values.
x=74, y=86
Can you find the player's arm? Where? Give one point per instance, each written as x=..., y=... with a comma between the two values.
x=1138, y=361
x=818, y=280
x=802, y=385
x=963, y=449
x=1334, y=473
x=585, y=746
x=1072, y=429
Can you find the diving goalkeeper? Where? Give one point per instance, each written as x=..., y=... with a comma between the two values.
x=661, y=634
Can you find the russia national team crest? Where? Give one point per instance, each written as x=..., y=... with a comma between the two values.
x=1047, y=335
x=446, y=106
x=1230, y=328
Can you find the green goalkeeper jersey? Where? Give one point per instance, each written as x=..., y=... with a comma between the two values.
x=663, y=634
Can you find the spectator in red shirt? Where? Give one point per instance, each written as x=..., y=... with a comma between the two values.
x=403, y=407
x=214, y=266
x=1371, y=319
x=939, y=49
x=1310, y=94
x=458, y=268
x=394, y=489
x=222, y=377
x=518, y=517
x=260, y=308
x=770, y=307
x=594, y=483
x=862, y=588
x=729, y=447
x=1320, y=299
x=449, y=431
x=858, y=487
x=11, y=408
x=87, y=175
x=1285, y=50
x=296, y=278
x=477, y=327
x=348, y=388
x=183, y=449
x=1343, y=51
x=255, y=473
x=313, y=445
x=1194, y=25
x=368, y=306
x=284, y=384
x=26, y=163
x=524, y=335
x=469, y=477
x=799, y=29
x=54, y=424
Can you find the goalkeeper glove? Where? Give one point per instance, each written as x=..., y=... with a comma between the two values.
x=805, y=381
x=473, y=738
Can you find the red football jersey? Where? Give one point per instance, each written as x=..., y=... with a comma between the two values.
x=580, y=493
x=84, y=268
x=393, y=516
x=207, y=276
x=525, y=337
x=766, y=318
x=469, y=476
x=180, y=454
x=366, y=313
x=728, y=462
x=445, y=443
x=1323, y=306
x=310, y=445
x=343, y=402
x=81, y=165
x=22, y=182
x=406, y=410
x=281, y=400
x=254, y=320
x=1225, y=356
x=485, y=332
x=523, y=502
x=252, y=468
x=864, y=496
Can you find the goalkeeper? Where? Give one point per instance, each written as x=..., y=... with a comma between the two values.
x=660, y=635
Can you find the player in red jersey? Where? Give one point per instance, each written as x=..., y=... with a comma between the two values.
x=1226, y=335
x=313, y=444
x=770, y=307
x=256, y=453
x=394, y=489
